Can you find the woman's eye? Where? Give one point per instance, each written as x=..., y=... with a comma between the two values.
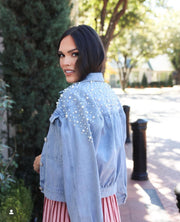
x=60, y=55
x=75, y=54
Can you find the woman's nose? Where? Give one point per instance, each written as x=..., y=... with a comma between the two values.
x=66, y=61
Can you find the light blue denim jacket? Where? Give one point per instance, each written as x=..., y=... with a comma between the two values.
x=83, y=157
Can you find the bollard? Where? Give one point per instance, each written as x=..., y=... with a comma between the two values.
x=139, y=150
x=177, y=192
x=127, y=110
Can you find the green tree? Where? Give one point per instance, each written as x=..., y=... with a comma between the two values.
x=31, y=32
x=109, y=18
x=7, y=164
x=138, y=42
x=122, y=24
x=134, y=46
x=144, y=82
x=173, y=46
x=103, y=15
x=168, y=34
x=175, y=58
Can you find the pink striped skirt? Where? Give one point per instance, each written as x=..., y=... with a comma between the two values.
x=55, y=211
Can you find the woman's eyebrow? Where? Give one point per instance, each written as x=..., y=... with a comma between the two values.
x=72, y=50
x=59, y=52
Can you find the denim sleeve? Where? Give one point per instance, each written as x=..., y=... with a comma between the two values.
x=81, y=180
x=122, y=176
x=122, y=181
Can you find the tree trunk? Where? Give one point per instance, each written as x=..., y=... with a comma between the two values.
x=116, y=15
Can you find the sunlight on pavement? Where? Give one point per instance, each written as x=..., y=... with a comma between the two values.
x=170, y=163
x=176, y=150
x=155, y=210
x=161, y=108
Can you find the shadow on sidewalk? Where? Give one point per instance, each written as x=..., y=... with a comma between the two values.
x=143, y=203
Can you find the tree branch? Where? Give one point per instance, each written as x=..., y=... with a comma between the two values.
x=117, y=6
x=103, y=15
x=113, y=22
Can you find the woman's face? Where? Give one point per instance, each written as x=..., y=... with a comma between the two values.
x=68, y=54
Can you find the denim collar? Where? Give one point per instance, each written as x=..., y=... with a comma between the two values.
x=94, y=76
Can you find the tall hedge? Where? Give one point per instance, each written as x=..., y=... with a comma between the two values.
x=31, y=30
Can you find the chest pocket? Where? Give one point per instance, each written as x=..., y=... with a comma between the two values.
x=53, y=140
x=53, y=153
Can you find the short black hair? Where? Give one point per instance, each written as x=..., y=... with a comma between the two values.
x=90, y=47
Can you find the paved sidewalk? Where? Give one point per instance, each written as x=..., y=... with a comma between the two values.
x=154, y=200
x=143, y=202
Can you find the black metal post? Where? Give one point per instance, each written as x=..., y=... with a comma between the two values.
x=127, y=111
x=139, y=150
x=177, y=192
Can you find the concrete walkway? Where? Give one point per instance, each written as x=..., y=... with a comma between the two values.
x=154, y=200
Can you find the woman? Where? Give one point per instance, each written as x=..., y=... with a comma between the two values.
x=83, y=166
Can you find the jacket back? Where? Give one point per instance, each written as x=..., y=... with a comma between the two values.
x=83, y=158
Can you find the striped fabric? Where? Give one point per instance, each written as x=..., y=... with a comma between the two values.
x=55, y=211
x=110, y=209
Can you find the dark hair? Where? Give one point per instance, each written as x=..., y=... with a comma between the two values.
x=90, y=47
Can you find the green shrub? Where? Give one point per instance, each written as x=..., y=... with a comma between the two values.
x=8, y=163
x=135, y=84
x=34, y=76
x=154, y=84
x=144, y=82
x=159, y=84
x=170, y=81
x=19, y=200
